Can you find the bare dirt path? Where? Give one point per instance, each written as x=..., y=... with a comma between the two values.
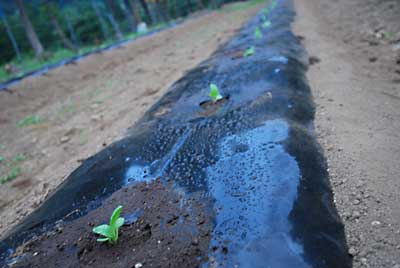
x=85, y=106
x=357, y=94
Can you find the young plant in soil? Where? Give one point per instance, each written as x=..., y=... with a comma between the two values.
x=266, y=24
x=258, y=33
x=30, y=120
x=214, y=93
x=249, y=52
x=110, y=232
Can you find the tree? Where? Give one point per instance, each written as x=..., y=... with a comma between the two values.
x=51, y=11
x=10, y=35
x=103, y=25
x=71, y=30
x=135, y=11
x=126, y=9
x=111, y=18
x=146, y=10
x=162, y=8
x=200, y=4
x=189, y=6
x=29, y=30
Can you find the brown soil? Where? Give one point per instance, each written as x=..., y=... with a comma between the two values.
x=210, y=107
x=162, y=233
x=357, y=92
x=87, y=105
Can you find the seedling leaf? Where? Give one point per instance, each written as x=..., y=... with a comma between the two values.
x=110, y=232
x=119, y=222
x=266, y=24
x=214, y=93
x=103, y=230
x=258, y=33
x=250, y=51
x=115, y=215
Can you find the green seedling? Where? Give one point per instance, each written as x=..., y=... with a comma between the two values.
x=265, y=11
x=266, y=24
x=30, y=120
x=258, y=33
x=250, y=51
x=214, y=93
x=13, y=174
x=388, y=35
x=110, y=232
x=2, y=158
x=19, y=158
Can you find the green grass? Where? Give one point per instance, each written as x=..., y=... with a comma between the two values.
x=30, y=63
x=12, y=174
x=29, y=121
x=13, y=167
x=19, y=158
x=388, y=35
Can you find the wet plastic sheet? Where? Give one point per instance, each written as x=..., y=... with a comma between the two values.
x=255, y=156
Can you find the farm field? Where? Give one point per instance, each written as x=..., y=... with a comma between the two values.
x=84, y=107
x=263, y=133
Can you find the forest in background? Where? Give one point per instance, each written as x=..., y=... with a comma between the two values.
x=34, y=33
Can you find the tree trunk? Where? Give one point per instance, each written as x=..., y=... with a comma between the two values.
x=163, y=11
x=135, y=11
x=112, y=6
x=153, y=12
x=117, y=30
x=146, y=11
x=217, y=3
x=71, y=30
x=189, y=6
x=29, y=30
x=67, y=43
x=176, y=9
x=126, y=9
x=113, y=21
x=200, y=4
x=103, y=25
x=10, y=35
